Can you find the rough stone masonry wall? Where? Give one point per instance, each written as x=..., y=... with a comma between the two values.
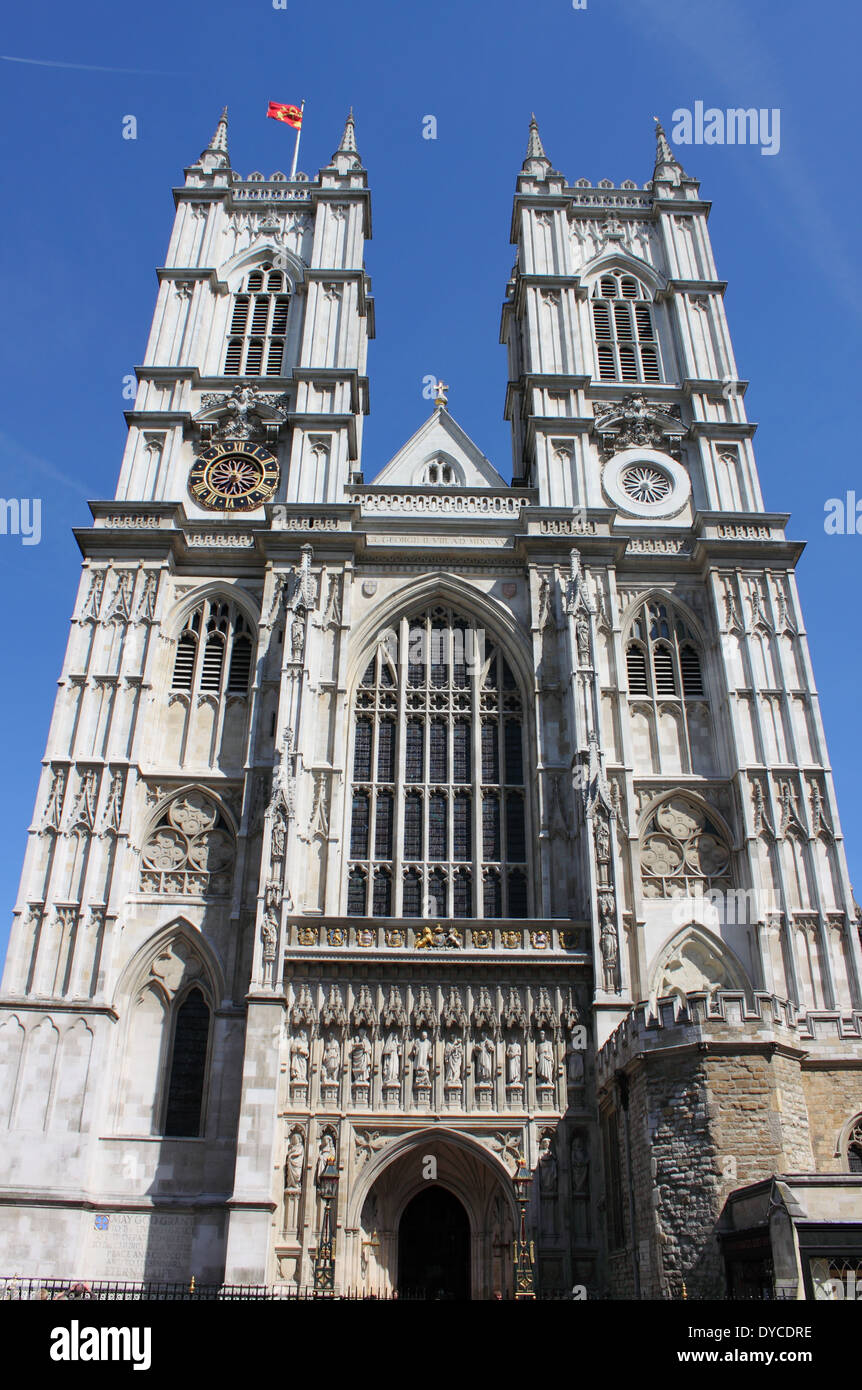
x=834, y=1096
x=715, y=1102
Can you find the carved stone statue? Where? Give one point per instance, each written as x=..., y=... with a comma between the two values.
x=360, y=1059
x=513, y=1063
x=293, y=1163
x=575, y=1066
x=331, y=1060
x=484, y=1056
x=325, y=1154
x=422, y=1059
x=547, y=1167
x=610, y=956
x=299, y=1057
x=453, y=1055
x=544, y=1060
x=391, y=1061
x=297, y=637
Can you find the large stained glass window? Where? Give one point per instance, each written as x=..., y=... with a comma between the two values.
x=439, y=815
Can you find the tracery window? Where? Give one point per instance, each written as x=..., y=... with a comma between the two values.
x=439, y=820
x=623, y=321
x=854, y=1147
x=189, y=850
x=683, y=852
x=665, y=675
x=214, y=650
x=185, y=1087
x=258, y=325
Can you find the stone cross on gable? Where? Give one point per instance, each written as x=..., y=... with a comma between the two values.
x=440, y=389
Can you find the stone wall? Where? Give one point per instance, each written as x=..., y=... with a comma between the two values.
x=718, y=1094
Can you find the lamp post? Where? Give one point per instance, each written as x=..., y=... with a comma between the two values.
x=524, y=1253
x=324, y=1260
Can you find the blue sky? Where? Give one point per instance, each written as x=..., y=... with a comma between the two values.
x=88, y=215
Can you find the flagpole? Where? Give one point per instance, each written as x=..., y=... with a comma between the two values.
x=296, y=146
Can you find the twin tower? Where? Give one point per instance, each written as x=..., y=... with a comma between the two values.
x=403, y=829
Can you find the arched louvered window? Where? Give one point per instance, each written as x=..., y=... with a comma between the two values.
x=662, y=657
x=188, y=1065
x=214, y=651
x=636, y=668
x=258, y=325
x=439, y=821
x=624, y=325
x=663, y=663
x=187, y=650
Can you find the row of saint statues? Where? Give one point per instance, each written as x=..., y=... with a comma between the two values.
x=457, y=1053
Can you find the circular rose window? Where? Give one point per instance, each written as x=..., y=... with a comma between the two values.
x=646, y=483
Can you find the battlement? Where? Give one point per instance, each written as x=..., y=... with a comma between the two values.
x=703, y=1018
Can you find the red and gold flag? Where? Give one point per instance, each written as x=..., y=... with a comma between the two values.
x=291, y=115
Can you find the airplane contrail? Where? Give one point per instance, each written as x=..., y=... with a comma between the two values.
x=87, y=67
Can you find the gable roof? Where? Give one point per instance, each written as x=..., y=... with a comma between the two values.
x=441, y=438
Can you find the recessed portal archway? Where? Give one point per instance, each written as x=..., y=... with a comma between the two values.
x=390, y=1234
x=434, y=1247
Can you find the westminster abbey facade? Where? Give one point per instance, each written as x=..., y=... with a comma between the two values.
x=406, y=832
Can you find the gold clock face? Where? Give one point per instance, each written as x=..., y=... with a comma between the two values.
x=234, y=478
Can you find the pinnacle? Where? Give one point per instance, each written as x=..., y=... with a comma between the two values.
x=535, y=148
x=348, y=139
x=219, y=141
x=666, y=162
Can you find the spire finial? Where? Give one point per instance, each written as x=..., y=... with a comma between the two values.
x=440, y=389
x=219, y=141
x=348, y=139
x=667, y=166
x=535, y=148
x=536, y=162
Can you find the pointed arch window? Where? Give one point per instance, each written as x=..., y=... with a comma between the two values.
x=854, y=1146
x=627, y=346
x=188, y=1066
x=664, y=663
x=439, y=820
x=258, y=325
x=214, y=651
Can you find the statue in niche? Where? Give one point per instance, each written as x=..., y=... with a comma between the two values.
x=422, y=1059
x=484, y=1060
x=293, y=1164
x=453, y=1055
x=391, y=1061
x=331, y=1060
x=360, y=1059
x=575, y=1066
x=544, y=1060
x=299, y=1057
x=610, y=956
x=297, y=637
x=580, y=1178
x=278, y=834
x=547, y=1167
x=582, y=635
x=325, y=1154
x=513, y=1062
x=603, y=840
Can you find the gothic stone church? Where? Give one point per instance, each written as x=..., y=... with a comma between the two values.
x=413, y=826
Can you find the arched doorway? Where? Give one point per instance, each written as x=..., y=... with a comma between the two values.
x=434, y=1247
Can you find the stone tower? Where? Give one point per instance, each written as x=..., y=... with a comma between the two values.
x=380, y=821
